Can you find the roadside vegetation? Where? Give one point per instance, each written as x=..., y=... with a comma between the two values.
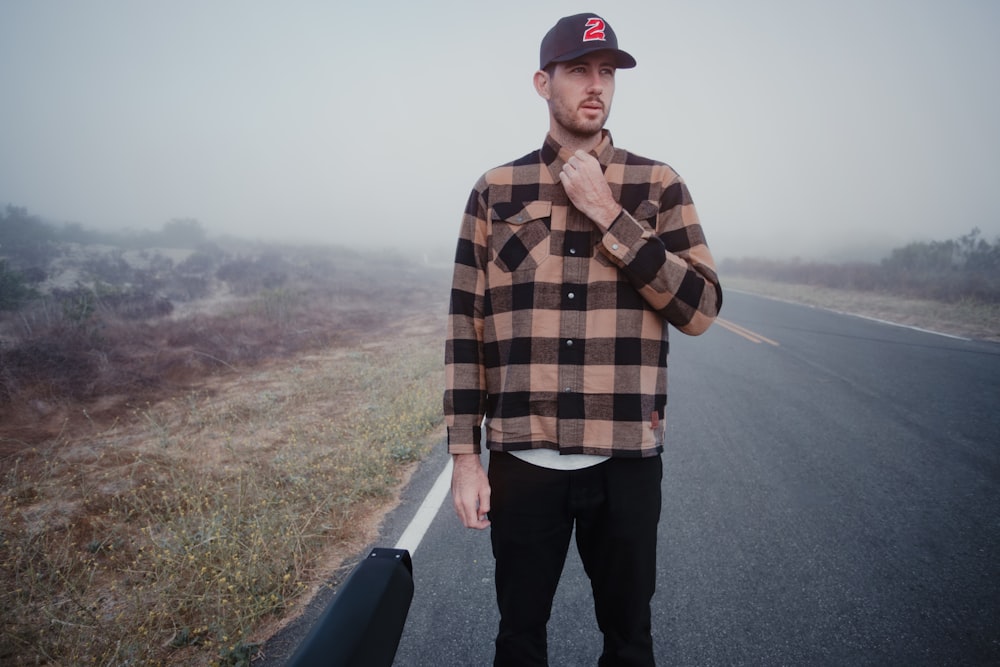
x=195, y=433
x=948, y=286
x=966, y=268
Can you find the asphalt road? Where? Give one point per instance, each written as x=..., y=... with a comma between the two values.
x=831, y=497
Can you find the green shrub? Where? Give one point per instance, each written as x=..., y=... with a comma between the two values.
x=14, y=289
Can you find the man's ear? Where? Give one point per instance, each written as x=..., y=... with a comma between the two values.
x=542, y=83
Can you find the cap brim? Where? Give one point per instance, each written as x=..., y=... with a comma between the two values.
x=623, y=60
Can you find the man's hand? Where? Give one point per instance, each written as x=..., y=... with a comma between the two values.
x=470, y=490
x=584, y=182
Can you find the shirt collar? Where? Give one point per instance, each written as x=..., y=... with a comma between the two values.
x=555, y=154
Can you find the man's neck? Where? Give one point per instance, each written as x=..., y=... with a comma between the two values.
x=574, y=142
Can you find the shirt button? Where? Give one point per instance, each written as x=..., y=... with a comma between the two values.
x=572, y=251
x=571, y=295
x=569, y=342
x=568, y=389
x=614, y=246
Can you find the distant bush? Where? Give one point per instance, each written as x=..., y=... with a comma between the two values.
x=63, y=362
x=187, y=288
x=964, y=268
x=110, y=268
x=197, y=263
x=14, y=288
x=182, y=233
x=25, y=240
x=135, y=305
x=34, y=275
x=249, y=276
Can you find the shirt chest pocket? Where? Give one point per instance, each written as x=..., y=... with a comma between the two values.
x=520, y=236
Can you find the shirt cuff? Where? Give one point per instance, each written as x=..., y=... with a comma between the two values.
x=623, y=237
x=463, y=440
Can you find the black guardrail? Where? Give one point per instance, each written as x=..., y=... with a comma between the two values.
x=362, y=625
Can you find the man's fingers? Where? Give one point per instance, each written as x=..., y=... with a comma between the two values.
x=588, y=190
x=474, y=511
x=470, y=491
x=473, y=517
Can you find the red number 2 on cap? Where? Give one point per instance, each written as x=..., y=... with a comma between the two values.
x=595, y=30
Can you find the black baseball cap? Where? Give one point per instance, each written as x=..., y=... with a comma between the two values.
x=578, y=35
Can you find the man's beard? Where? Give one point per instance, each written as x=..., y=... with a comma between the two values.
x=577, y=127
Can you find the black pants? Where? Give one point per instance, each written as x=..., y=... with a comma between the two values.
x=616, y=508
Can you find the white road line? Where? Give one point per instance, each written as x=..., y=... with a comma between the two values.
x=907, y=326
x=849, y=314
x=410, y=539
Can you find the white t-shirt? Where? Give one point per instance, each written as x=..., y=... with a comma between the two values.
x=550, y=458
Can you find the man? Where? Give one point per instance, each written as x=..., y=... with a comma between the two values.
x=571, y=262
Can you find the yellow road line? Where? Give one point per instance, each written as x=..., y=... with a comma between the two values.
x=744, y=332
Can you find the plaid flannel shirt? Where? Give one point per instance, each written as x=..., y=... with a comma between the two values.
x=557, y=332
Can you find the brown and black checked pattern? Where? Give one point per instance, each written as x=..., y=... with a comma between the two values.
x=558, y=331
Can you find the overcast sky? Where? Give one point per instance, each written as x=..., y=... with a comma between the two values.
x=801, y=127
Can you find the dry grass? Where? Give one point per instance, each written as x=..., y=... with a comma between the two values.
x=967, y=319
x=183, y=530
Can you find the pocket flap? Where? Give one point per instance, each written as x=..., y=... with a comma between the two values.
x=519, y=213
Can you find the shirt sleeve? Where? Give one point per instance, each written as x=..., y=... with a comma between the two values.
x=465, y=378
x=668, y=261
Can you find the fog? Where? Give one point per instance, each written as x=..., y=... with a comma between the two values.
x=803, y=128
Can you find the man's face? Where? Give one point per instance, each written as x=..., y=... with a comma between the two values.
x=580, y=93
